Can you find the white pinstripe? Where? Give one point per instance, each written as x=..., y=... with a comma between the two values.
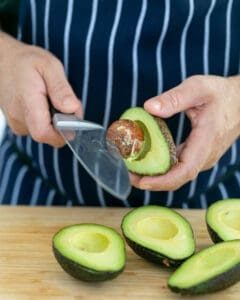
x=57, y=170
x=228, y=37
x=223, y=190
x=17, y=185
x=87, y=53
x=237, y=175
x=203, y=201
x=46, y=23
x=66, y=35
x=192, y=188
x=135, y=68
x=183, y=64
x=46, y=46
x=170, y=197
x=41, y=161
x=147, y=197
x=159, y=46
x=50, y=197
x=34, y=41
x=101, y=196
x=213, y=175
x=110, y=80
x=69, y=203
x=226, y=66
x=19, y=33
x=110, y=62
x=19, y=142
x=233, y=154
x=67, y=29
x=3, y=149
x=36, y=191
x=29, y=146
x=5, y=177
x=184, y=75
x=34, y=21
x=76, y=181
x=134, y=52
x=206, y=38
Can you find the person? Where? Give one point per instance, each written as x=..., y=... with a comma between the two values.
x=180, y=60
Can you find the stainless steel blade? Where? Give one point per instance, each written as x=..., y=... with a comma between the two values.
x=100, y=159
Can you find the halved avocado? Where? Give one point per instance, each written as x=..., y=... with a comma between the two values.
x=158, y=152
x=161, y=151
x=90, y=252
x=214, y=268
x=223, y=220
x=159, y=234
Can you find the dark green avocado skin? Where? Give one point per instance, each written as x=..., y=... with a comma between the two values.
x=81, y=272
x=152, y=255
x=222, y=281
x=213, y=234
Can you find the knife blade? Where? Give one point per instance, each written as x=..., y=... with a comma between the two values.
x=99, y=158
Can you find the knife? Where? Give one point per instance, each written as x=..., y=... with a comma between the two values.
x=98, y=156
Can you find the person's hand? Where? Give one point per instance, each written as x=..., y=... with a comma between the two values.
x=212, y=104
x=28, y=75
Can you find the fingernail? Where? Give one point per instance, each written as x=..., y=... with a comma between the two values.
x=145, y=187
x=154, y=104
x=68, y=102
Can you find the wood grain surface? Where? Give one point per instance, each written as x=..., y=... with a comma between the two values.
x=28, y=269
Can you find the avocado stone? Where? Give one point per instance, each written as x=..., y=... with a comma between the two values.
x=223, y=220
x=214, y=268
x=90, y=252
x=158, y=234
x=160, y=151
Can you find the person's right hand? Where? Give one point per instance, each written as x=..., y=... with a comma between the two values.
x=28, y=75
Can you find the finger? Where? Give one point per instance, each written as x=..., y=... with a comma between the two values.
x=38, y=120
x=59, y=90
x=191, y=161
x=134, y=179
x=17, y=127
x=186, y=95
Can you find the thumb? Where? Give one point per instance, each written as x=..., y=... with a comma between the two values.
x=186, y=95
x=59, y=90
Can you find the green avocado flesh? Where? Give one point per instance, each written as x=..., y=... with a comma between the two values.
x=90, y=252
x=156, y=157
x=223, y=220
x=212, y=269
x=158, y=234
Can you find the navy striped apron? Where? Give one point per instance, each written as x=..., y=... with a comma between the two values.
x=118, y=54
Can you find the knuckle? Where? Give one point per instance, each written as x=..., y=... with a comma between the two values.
x=173, y=99
x=192, y=174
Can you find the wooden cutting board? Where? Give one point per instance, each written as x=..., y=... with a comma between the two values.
x=28, y=269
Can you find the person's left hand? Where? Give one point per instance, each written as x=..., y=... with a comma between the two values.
x=212, y=104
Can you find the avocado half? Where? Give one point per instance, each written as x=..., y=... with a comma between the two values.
x=90, y=252
x=144, y=141
x=223, y=220
x=158, y=234
x=214, y=268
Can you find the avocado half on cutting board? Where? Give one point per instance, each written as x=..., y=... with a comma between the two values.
x=212, y=269
x=223, y=220
x=159, y=234
x=90, y=252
